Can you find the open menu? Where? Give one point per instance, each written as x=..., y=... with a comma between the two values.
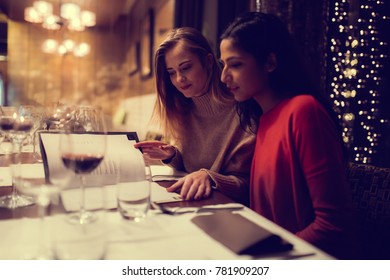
x=122, y=163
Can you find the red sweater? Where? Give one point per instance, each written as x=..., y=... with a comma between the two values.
x=298, y=177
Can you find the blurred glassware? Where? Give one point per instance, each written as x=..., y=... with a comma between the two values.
x=17, y=126
x=82, y=148
x=7, y=114
x=37, y=114
x=43, y=193
x=75, y=241
x=134, y=192
x=57, y=116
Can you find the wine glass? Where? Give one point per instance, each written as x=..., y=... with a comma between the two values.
x=36, y=113
x=82, y=148
x=18, y=127
x=57, y=116
x=44, y=192
x=7, y=114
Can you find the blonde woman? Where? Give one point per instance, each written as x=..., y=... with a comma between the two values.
x=197, y=112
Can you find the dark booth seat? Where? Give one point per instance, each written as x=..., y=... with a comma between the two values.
x=371, y=198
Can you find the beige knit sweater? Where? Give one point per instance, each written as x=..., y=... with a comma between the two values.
x=214, y=141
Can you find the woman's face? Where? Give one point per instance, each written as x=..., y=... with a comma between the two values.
x=241, y=73
x=186, y=71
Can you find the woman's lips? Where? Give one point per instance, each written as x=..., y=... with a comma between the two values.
x=233, y=89
x=185, y=87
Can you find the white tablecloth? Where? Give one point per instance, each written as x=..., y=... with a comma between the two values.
x=159, y=236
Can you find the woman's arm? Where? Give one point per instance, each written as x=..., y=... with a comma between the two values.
x=230, y=176
x=320, y=153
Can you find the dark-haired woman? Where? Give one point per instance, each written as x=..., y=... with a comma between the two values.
x=298, y=177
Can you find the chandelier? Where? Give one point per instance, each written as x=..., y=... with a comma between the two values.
x=51, y=46
x=71, y=16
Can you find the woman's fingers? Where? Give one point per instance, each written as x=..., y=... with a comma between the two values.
x=157, y=151
x=194, y=186
x=176, y=185
x=146, y=144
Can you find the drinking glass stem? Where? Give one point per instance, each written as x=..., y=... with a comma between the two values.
x=35, y=154
x=82, y=197
x=33, y=141
x=42, y=209
x=43, y=252
x=19, y=167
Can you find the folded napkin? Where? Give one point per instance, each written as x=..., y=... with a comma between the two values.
x=239, y=234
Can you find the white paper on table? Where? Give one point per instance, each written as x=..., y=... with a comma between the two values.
x=160, y=194
x=105, y=197
x=31, y=171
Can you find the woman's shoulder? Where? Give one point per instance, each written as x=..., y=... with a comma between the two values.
x=303, y=100
x=305, y=108
x=304, y=104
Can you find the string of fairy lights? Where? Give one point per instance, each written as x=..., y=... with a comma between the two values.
x=358, y=50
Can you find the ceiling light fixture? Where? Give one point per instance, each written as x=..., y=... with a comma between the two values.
x=51, y=46
x=71, y=16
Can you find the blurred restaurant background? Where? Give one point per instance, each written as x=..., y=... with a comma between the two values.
x=100, y=52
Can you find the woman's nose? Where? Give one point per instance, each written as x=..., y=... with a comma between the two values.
x=181, y=78
x=224, y=76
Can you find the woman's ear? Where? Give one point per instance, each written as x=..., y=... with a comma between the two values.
x=272, y=62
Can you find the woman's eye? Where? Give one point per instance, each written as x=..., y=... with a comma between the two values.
x=187, y=67
x=235, y=65
x=171, y=73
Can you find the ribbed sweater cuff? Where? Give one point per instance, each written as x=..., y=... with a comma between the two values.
x=175, y=162
x=232, y=186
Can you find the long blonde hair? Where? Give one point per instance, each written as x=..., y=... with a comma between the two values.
x=172, y=107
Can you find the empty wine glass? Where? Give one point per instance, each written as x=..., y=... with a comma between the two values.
x=18, y=127
x=57, y=116
x=36, y=113
x=7, y=114
x=82, y=148
x=44, y=192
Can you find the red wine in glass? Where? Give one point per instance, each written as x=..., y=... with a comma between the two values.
x=81, y=164
x=6, y=124
x=22, y=126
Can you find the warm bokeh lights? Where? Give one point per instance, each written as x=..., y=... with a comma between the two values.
x=358, y=50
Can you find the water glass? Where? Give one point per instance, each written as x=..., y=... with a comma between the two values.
x=133, y=188
x=134, y=199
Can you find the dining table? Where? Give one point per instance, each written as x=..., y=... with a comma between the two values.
x=159, y=236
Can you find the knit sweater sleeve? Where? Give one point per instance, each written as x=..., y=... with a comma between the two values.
x=176, y=161
x=233, y=178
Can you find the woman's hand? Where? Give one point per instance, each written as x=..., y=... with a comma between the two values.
x=156, y=150
x=194, y=186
